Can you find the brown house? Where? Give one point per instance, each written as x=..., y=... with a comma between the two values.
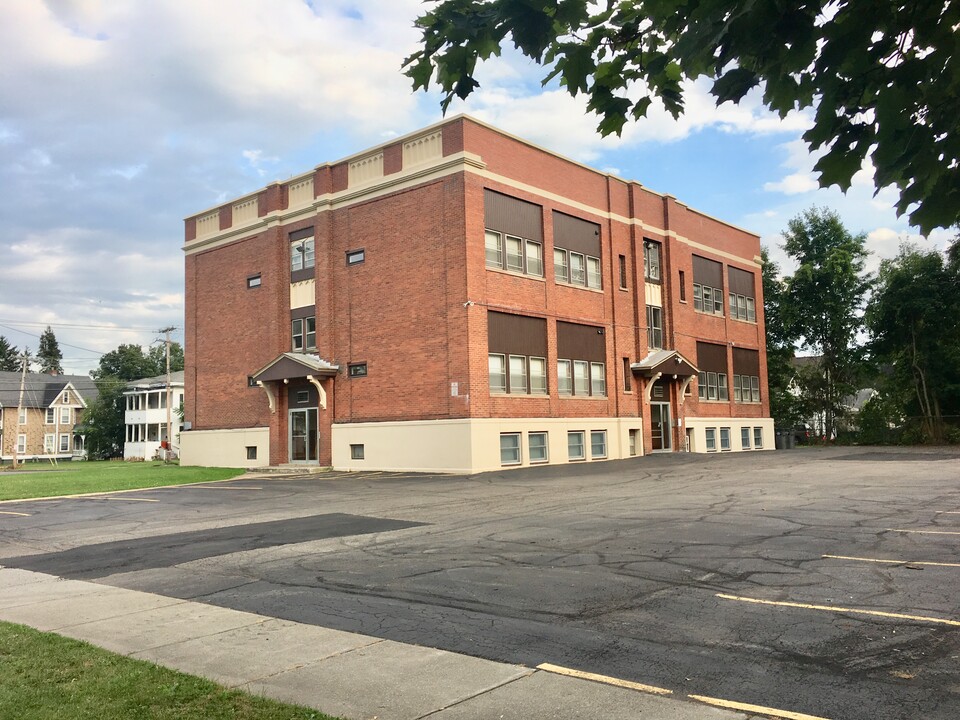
x=43, y=426
x=460, y=300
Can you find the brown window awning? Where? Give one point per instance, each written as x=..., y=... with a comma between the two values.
x=294, y=365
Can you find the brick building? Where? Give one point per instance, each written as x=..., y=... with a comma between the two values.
x=461, y=300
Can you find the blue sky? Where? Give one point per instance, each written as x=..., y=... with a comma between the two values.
x=118, y=118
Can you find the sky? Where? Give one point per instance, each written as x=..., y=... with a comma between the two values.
x=119, y=118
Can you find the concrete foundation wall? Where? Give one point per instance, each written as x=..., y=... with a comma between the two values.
x=225, y=448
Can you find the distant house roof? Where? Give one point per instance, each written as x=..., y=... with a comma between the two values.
x=40, y=390
x=176, y=378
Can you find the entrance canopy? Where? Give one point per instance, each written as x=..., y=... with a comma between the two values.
x=291, y=366
x=664, y=363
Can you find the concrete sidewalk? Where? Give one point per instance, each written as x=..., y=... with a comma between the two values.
x=339, y=673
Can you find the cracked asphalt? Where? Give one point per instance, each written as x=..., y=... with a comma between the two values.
x=640, y=569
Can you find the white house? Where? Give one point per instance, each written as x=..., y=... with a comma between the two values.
x=146, y=416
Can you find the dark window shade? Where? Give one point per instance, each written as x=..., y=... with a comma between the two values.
x=516, y=334
x=572, y=233
x=303, y=312
x=746, y=362
x=581, y=342
x=301, y=234
x=510, y=215
x=707, y=272
x=741, y=282
x=711, y=358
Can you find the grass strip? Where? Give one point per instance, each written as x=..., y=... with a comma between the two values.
x=49, y=677
x=74, y=478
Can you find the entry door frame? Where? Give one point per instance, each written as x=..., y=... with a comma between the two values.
x=665, y=427
x=310, y=414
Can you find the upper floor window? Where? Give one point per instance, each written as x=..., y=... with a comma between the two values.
x=66, y=397
x=304, y=333
x=576, y=268
x=51, y=416
x=512, y=253
x=302, y=254
x=651, y=260
x=742, y=295
x=22, y=416
x=517, y=354
x=654, y=327
x=712, y=376
x=707, y=286
x=581, y=353
x=576, y=254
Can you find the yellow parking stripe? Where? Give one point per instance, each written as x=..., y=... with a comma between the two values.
x=925, y=532
x=839, y=609
x=7, y=512
x=760, y=709
x=617, y=682
x=893, y=562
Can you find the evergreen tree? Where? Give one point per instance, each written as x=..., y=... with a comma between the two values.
x=824, y=302
x=10, y=360
x=49, y=356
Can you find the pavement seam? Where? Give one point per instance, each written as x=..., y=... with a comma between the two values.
x=530, y=672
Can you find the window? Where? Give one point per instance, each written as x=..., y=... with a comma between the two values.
x=581, y=377
x=627, y=376
x=356, y=452
x=250, y=383
x=66, y=397
x=598, y=380
x=593, y=272
x=64, y=443
x=302, y=254
x=683, y=286
x=357, y=370
x=744, y=438
x=537, y=447
x=538, y=376
x=303, y=396
x=304, y=333
x=654, y=327
x=518, y=374
x=575, y=449
x=510, y=448
x=560, y=266
x=65, y=416
x=355, y=257
x=623, y=272
x=153, y=401
x=707, y=286
x=49, y=441
x=21, y=444
x=758, y=438
x=564, y=377
x=512, y=253
x=634, y=437
x=746, y=388
x=578, y=275
x=22, y=416
x=498, y=373
x=724, y=438
x=741, y=294
x=651, y=260
x=51, y=416
x=712, y=377
x=251, y=452
x=598, y=444
x=711, y=434
x=493, y=242
x=254, y=281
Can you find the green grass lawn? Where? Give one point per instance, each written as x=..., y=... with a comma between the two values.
x=72, y=478
x=48, y=677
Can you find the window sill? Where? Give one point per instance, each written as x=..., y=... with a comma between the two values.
x=500, y=393
x=512, y=273
x=583, y=397
x=709, y=314
x=715, y=402
x=579, y=287
x=622, y=289
x=745, y=322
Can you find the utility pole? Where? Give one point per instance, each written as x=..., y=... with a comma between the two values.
x=167, y=451
x=23, y=381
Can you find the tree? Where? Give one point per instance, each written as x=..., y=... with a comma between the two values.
x=785, y=407
x=130, y=362
x=158, y=356
x=824, y=300
x=10, y=359
x=48, y=355
x=103, y=420
x=914, y=321
x=881, y=76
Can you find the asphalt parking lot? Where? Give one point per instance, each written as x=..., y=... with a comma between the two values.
x=818, y=582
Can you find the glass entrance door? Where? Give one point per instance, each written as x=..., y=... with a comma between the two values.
x=303, y=436
x=660, y=426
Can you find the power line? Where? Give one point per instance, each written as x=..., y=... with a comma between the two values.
x=117, y=328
